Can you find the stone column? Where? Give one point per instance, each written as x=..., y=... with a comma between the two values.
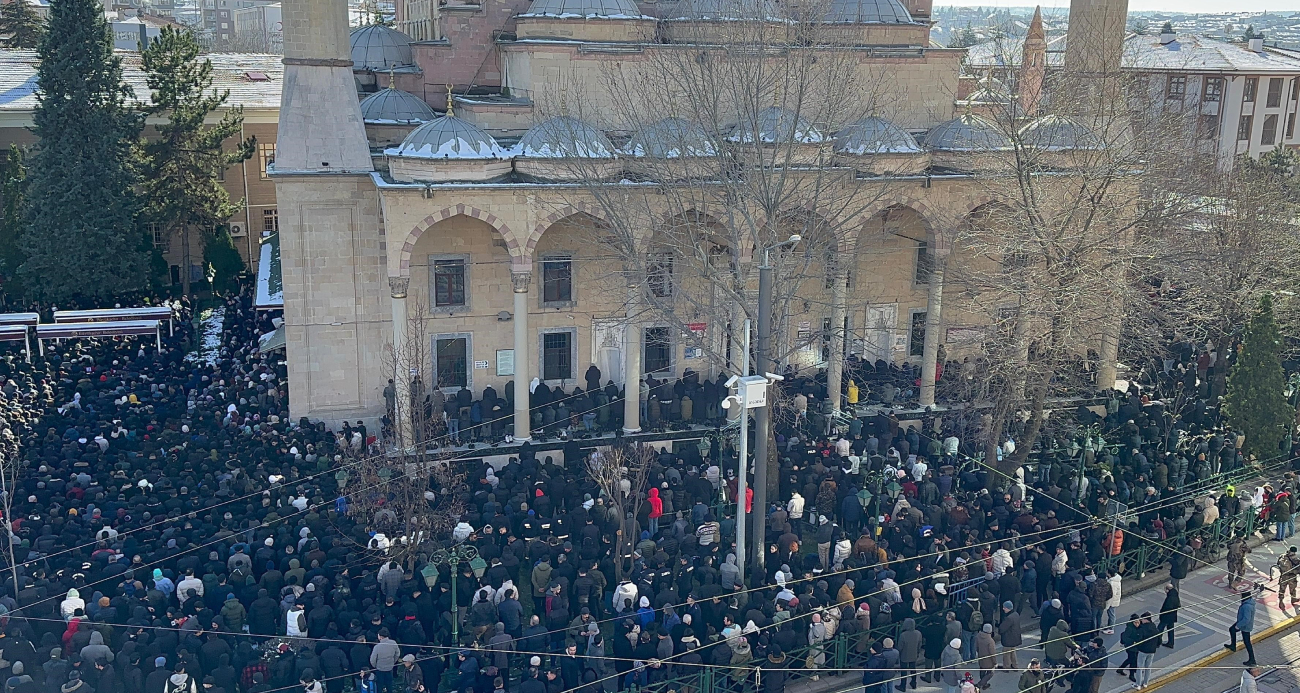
x=933, y=326
x=632, y=365
x=523, y=423
x=835, y=364
x=402, y=365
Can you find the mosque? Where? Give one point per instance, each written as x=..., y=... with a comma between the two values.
x=427, y=168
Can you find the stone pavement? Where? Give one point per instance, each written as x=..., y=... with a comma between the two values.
x=1209, y=607
x=1275, y=654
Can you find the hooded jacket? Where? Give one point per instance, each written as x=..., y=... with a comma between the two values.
x=656, y=503
x=96, y=650
x=909, y=642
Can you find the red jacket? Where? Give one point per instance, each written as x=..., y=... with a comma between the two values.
x=656, y=503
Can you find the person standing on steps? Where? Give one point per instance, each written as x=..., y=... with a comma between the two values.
x=1245, y=624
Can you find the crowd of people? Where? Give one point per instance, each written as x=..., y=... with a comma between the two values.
x=176, y=532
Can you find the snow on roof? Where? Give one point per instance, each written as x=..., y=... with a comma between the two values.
x=18, y=78
x=1187, y=53
x=270, y=284
x=613, y=9
x=449, y=137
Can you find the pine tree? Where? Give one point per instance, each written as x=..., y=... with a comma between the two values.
x=20, y=26
x=1256, y=401
x=12, y=188
x=81, y=237
x=222, y=258
x=181, y=164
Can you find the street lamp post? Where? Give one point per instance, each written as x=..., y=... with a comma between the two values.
x=743, y=452
x=452, y=558
x=762, y=421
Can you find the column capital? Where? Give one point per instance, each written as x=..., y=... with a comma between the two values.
x=397, y=286
x=521, y=279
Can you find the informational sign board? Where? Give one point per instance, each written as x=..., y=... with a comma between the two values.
x=505, y=361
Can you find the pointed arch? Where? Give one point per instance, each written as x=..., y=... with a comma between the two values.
x=512, y=242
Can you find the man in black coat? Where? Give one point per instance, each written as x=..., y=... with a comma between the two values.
x=1169, y=613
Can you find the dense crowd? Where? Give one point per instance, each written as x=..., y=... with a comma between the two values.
x=176, y=532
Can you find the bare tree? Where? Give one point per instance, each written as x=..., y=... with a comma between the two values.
x=415, y=493
x=1051, y=268
x=1210, y=271
x=620, y=473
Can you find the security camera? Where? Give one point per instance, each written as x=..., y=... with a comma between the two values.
x=731, y=382
x=773, y=376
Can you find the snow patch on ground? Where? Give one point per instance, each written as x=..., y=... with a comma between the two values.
x=211, y=323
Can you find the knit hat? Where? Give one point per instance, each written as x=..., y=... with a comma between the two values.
x=1056, y=603
x=988, y=628
x=1008, y=605
x=955, y=643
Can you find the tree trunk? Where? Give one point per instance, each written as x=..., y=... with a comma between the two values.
x=1219, y=386
x=185, y=261
x=1032, y=430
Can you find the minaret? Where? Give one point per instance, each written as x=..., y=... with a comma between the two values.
x=320, y=118
x=1033, y=66
x=332, y=258
x=1096, y=41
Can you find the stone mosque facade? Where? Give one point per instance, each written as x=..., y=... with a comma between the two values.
x=416, y=167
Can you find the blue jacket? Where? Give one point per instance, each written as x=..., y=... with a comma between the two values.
x=1246, y=615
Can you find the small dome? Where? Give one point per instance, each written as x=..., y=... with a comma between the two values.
x=776, y=124
x=671, y=138
x=874, y=135
x=394, y=106
x=868, y=12
x=620, y=9
x=448, y=137
x=1056, y=133
x=563, y=137
x=966, y=133
x=724, y=9
x=377, y=47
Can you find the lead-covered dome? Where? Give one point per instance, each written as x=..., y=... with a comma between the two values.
x=448, y=137
x=966, y=133
x=618, y=9
x=377, y=47
x=1057, y=133
x=775, y=124
x=395, y=107
x=671, y=138
x=565, y=137
x=874, y=135
x=707, y=10
x=868, y=12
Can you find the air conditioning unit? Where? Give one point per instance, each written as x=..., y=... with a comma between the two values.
x=236, y=229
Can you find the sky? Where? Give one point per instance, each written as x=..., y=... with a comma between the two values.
x=1144, y=5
